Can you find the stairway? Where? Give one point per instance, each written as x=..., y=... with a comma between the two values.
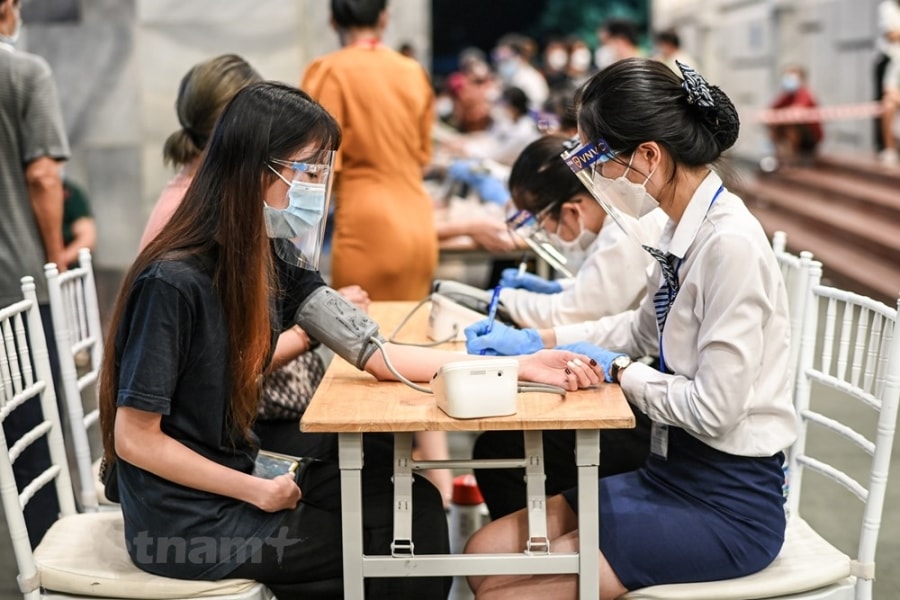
x=845, y=210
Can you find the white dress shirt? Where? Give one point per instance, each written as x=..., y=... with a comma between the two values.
x=888, y=20
x=504, y=141
x=612, y=279
x=726, y=336
x=533, y=83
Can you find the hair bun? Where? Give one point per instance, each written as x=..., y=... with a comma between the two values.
x=726, y=125
x=712, y=105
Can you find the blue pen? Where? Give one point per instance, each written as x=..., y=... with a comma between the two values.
x=492, y=310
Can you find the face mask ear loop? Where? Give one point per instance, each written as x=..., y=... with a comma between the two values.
x=628, y=166
x=650, y=176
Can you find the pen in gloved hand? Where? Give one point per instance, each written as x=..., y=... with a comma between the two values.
x=492, y=310
x=523, y=265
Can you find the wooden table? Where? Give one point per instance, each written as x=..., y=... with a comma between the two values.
x=351, y=402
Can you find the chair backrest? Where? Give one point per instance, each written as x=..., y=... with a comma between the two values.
x=795, y=272
x=25, y=376
x=850, y=346
x=79, y=343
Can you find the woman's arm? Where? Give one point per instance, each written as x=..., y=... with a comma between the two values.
x=295, y=341
x=85, y=232
x=555, y=367
x=291, y=344
x=141, y=442
x=490, y=234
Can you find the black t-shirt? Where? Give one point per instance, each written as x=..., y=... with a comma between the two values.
x=172, y=353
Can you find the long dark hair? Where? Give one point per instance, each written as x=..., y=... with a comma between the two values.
x=222, y=215
x=540, y=178
x=638, y=100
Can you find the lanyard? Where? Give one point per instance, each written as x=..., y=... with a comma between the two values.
x=674, y=292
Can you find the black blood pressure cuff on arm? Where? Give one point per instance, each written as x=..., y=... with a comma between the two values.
x=335, y=322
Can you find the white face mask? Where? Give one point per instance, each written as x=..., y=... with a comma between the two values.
x=557, y=59
x=580, y=60
x=575, y=250
x=443, y=106
x=605, y=56
x=630, y=198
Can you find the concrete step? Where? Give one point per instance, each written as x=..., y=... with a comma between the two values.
x=859, y=166
x=844, y=265
x=877, y=194
x=844, y=220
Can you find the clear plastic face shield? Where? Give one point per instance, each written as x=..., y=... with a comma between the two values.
x=624, y=201
x=298, y=228
x=527, y=226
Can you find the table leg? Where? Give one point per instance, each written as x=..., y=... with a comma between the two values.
x=587, y=457
x=403, y=481
x=536, y=493
x=350, y=456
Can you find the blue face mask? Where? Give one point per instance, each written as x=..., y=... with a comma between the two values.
x=507, y=68
x=14, y=36
x=790, y=83
x=304, y=213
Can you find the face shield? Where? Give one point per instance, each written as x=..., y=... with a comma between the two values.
x=623, y=200
x=298, y=229
x=526, y=226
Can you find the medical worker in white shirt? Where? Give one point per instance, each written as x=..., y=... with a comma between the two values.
x=611, y=269
x=707, y=504
x=612, y=278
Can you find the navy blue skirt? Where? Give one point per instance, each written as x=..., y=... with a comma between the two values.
x=701, y=515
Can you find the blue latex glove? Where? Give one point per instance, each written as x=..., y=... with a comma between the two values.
x=511, y=278
x=502, y=340
x=489, y=188
x=463, y=170
x=603, y=356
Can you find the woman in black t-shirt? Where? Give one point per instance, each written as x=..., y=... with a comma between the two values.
x=190, y=339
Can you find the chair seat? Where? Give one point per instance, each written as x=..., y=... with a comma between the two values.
x=100, y=487
x=85, y=554
x=806, y=562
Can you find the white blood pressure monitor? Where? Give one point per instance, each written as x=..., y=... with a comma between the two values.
x=473, y=389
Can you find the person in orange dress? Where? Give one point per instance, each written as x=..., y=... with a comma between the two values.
x=384, y=236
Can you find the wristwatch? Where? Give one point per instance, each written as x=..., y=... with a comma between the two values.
x=618, y=364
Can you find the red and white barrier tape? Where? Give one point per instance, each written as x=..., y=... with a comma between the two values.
x=818, y=113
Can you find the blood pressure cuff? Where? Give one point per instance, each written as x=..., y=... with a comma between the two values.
x=331, y=319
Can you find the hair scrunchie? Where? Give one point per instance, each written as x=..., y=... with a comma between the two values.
x=712, y=105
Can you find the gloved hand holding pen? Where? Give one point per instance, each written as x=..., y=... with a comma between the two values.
x=501, y=340
x=515, y=278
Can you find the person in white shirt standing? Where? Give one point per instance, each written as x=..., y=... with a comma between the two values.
x=717, y=315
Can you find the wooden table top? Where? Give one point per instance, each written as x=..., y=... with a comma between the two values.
x=349, y=400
